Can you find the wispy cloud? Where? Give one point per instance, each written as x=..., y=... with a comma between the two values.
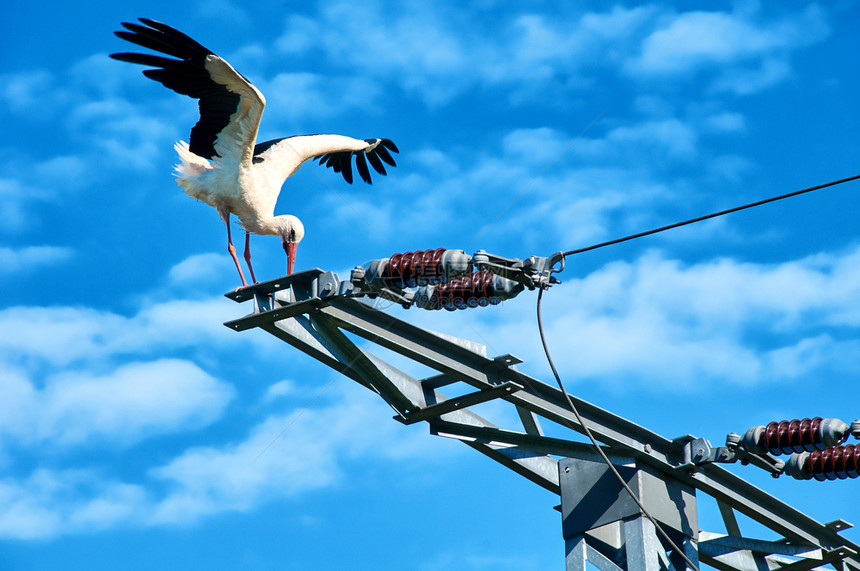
x=753, y=53
x=25, y=91
x=198, y=269
x=134, y=401
x=65, y=335
x=294, y=99
x=30, y=258
x=206, y=480
x=437, y=55
x=440, y=52
x=48, y=503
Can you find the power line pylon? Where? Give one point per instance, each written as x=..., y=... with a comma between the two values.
x=319, y=314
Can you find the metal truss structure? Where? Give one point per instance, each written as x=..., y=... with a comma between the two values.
x=321, y=315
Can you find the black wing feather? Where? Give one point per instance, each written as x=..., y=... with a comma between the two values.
x=361, y=166
x=148, y=59
x=176, y=36
x=186, y=75
x=332, y=162
x=347, y=170
x=383, y=154
x=373, y=158
x=142, y=37
x=341, y=162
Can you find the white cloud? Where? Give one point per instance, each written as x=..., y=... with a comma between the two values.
x=238, y=476
x=74, y=374
x=297, y=98
x=32, y=257
x=637, y=144
x=583, y=218
x=725, y=122
x=64, y=335
x=132, y=136
x=223, y=10
x=56, y=335
x=439, y=52
x=98, y=77
x=134, y=401
x=751, y=55
x=61, y=172
x=54, y=502
x=673, y=137
x=415, y=46
x=693, y=39
x=539, y=146
x=198, y=268
x=25, y=91
x=746, y=81
x=282, y=457
x=22, y=190
x=696, y=38
x=279, y=390
x=13, y=197
x=619, y=23
x=299, y=36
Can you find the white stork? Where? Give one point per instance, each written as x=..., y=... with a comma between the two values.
x=223, y=166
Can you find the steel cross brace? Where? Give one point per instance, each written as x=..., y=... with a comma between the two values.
x=309, y=311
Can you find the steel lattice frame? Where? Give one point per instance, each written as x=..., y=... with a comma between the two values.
x=311, y=311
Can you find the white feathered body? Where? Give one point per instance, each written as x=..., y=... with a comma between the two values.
x=249, y=189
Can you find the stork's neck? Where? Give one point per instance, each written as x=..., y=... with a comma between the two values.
x=260, y=225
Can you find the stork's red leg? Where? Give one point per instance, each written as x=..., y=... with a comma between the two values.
x=232, y=250
x=248, y=255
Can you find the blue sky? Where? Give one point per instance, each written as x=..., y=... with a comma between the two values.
x=132, y=421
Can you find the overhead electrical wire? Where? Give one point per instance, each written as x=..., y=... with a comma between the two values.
x=573, y=408
x=708, y=216
x=597, y=447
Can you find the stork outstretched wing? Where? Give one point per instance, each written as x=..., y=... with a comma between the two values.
x=334, y=151
x=230, y=106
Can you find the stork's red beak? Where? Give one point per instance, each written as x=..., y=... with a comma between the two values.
x=290, y=249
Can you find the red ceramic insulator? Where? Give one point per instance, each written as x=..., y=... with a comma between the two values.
x=789, y=436
x=414, y=268
x=471, y=291
x=839, y=462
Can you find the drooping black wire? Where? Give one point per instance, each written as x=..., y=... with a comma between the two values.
x=712, y=215
x=597, y=447
x=573, y=409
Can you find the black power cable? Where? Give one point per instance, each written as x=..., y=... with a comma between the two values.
x=597, y=447
x=712, y=215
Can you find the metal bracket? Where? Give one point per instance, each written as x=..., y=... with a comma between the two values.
x=698, y=451
x=450, y=405
x=533, y=272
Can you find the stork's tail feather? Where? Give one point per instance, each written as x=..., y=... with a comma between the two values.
x=192, y=165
